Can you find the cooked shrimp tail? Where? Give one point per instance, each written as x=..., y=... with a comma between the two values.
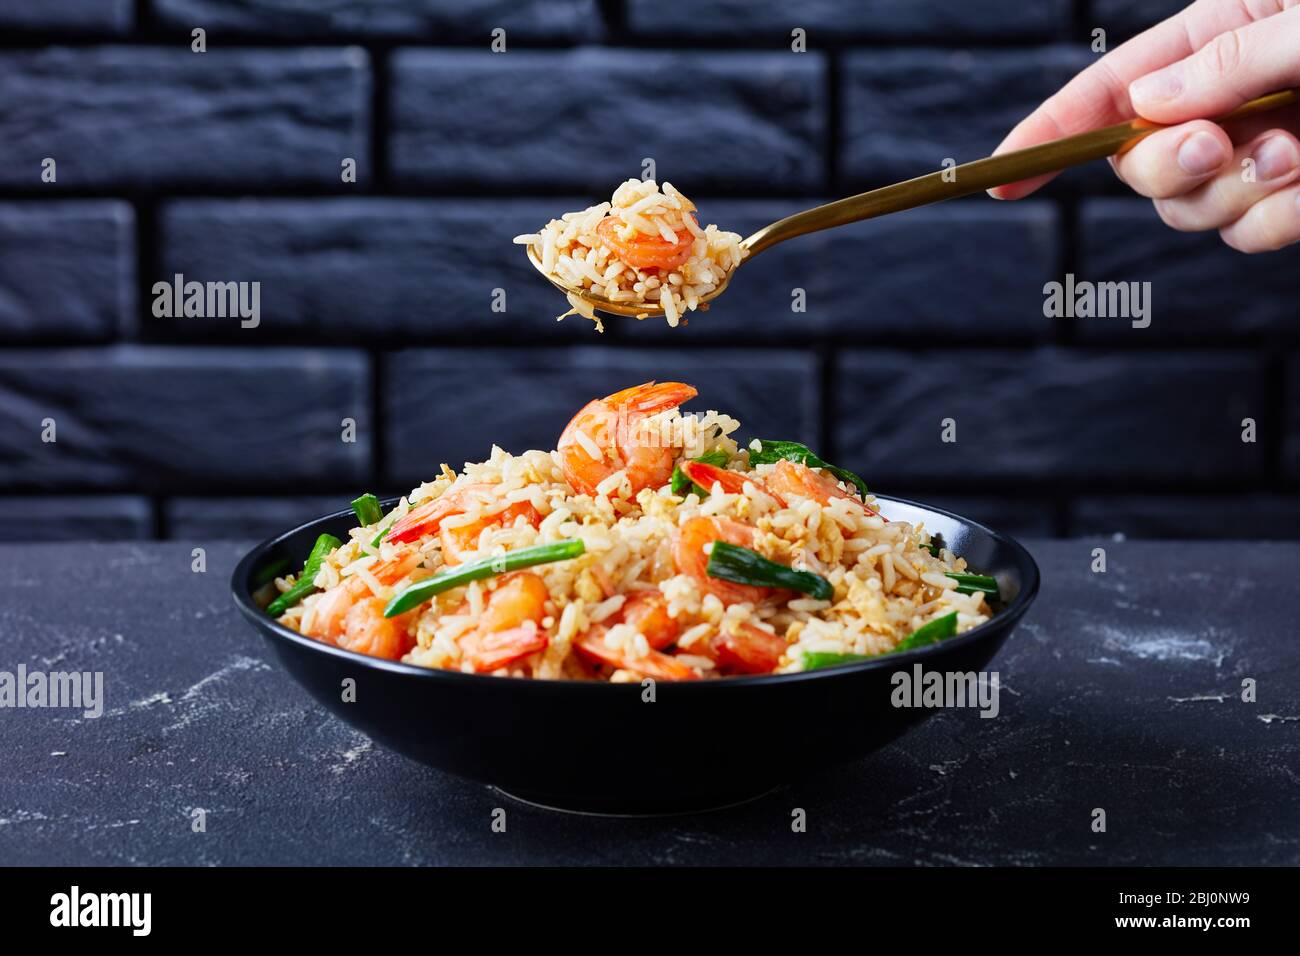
x=606, y=437
x=652, y=397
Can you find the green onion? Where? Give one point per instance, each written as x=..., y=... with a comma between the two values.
x=743, y=566
x=975, y=583
x=812, y=660
x=269, y=573
x=763, y=451
x=932, y=548
x=421, y=591
x=683, y=486
x=931, y=633
x=374, y=543
x=323, y=546
x=368, y=512
x=367, y=509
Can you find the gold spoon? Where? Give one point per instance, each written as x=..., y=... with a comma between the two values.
x=974, y=177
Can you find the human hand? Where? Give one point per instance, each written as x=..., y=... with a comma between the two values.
x=1205, y=61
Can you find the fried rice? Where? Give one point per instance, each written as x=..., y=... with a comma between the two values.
x=643, y=247
x=887, y=577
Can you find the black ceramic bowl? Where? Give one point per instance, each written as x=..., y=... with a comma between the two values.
x=600, y=747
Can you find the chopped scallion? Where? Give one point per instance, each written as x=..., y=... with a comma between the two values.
x=812, y=660
x=743, y=566
x=974, y=583
x=367, y=509
x=421, y=591
x=304, y=585
x=930, y=633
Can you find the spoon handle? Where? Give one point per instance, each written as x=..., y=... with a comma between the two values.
x=983, y=174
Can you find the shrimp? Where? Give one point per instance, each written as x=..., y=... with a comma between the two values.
x=689, y=542
x=456, y=541
x=785, y=479
x=510, y=625
x=656, y=664
x=647, y=611
x=646, y=252
x=428, y=517
x=751, y=650
x=609, y=427
x=328, y=618
x=459, y=540
x=792, y=478
x=731, y=482
x=489, y=652
x=367, y=631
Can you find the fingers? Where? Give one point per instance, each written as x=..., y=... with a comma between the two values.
x=1231, y=68
x=1270, y=224
x=1259, y=169
x=1099, y=95
x=1249, y=128
x=1175, y=161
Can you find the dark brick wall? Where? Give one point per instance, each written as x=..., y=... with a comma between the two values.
x=376, y=296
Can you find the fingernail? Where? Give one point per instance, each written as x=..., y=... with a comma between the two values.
x=1201, y=153
x=1161, y=85
x=1275, y=157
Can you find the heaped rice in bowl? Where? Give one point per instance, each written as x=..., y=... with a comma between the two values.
x=649, y=543
x=644, y=247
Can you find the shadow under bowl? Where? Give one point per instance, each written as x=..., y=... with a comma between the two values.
x=600, y=747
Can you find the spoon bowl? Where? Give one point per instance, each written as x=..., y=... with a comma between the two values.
x=635, y=310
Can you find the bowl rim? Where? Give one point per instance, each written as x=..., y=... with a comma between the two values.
x=1009, y=615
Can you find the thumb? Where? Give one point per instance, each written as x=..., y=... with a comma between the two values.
x=1235, y=66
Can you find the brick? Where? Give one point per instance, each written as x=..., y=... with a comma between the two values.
x=78, y=16
x=147, y=117
x=1186, y=517
x=1013, y=514
x=246, y=519
x=830, y=21
x=904, y=111
x=585, y=119
x=1291, y=420
x=1199, y=287
x=522, y=398
x=1047, y=415
x=408, y=20
x=964, y=270
x=175, y=418
x=371, y=269
x=75, y=518
x=1122, y=19
x=67, y=270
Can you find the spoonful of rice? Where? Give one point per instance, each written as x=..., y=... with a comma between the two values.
x=644, y=253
